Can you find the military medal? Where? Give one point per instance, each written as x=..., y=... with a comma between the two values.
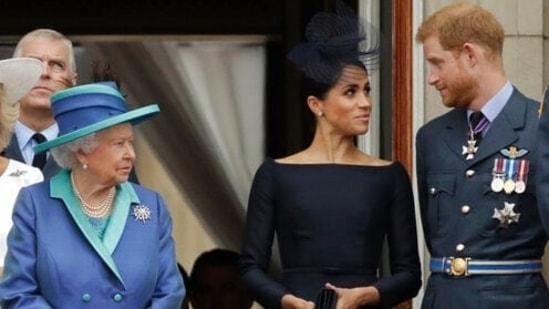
x=470, y=149
x=498, y=175
x=522, y=176
x=509, y=186
x=510, y=166
x=507, y=215
x=475, y=130
x=520, y=187
x=497, y=184
x=516, y=171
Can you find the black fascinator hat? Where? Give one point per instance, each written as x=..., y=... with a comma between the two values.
x=334, y=40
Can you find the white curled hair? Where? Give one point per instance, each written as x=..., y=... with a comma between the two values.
x=8, y=116
x=65, y=155
x=47, y=34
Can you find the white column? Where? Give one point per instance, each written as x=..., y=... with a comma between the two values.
x=418, y=101
x=370, y=142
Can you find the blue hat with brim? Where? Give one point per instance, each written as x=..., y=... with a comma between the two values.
x=85, y=109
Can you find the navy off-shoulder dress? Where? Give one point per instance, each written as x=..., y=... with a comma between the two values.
x=330, y=221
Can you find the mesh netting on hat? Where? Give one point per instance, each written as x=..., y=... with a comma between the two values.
x=333, y=40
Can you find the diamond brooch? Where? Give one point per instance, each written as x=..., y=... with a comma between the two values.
x=141, y=213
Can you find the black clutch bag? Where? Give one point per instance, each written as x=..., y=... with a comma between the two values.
x=326, y=299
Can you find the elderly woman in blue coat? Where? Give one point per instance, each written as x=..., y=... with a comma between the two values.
x=88, y=238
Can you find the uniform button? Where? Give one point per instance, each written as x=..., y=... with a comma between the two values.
x=465, y=209
x=460, y=247
x=117, y=297
x=432, y=191
x=86, y=298
x=470, y=173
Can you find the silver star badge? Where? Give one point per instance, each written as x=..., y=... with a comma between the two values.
x=141, y=213
x=507, y=215
x=470, y=149
x=17, y=173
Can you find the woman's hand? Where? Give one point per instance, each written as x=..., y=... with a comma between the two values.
x=355, y=297
x=289, y=301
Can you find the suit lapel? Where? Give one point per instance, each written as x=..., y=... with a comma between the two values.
x=12, y=151
x=124, y=198
x=456, y=132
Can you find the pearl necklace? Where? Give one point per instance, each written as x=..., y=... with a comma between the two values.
x=92, y=211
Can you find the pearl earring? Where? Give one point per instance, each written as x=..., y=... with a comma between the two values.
x=320, y=114
x=84, y=166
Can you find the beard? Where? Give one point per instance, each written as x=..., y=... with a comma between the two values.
x=460, y=92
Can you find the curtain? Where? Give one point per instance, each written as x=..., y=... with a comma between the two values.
x=210, y=132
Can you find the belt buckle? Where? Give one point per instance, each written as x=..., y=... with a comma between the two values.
x=459, y=267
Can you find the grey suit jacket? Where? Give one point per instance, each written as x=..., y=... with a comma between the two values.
x=457, y=206
x=13, y=151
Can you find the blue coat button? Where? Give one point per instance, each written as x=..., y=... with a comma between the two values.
x=86, y=298
x=117, y=297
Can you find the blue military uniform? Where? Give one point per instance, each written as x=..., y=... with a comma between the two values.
x=543, y=158
x=479, y=210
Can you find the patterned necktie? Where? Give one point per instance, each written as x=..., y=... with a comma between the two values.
x=478, y=124
x=39, y=159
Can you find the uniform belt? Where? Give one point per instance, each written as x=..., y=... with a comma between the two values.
x=466, y=266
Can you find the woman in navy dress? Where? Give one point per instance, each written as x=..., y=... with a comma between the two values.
x=331, y=206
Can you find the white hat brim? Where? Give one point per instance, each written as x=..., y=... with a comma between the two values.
x=19, y=75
